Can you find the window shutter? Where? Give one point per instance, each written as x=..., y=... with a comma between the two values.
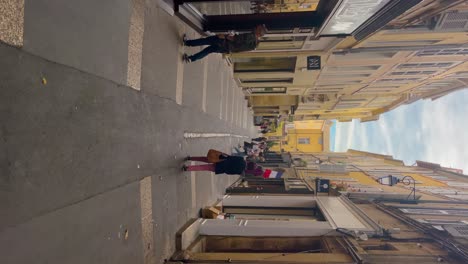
x=453, y=21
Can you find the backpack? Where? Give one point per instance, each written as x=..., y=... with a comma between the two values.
x=242, y=42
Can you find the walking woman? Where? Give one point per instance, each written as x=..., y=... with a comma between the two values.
x=218, y=163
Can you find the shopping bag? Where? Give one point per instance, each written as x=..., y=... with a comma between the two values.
x=215, y=156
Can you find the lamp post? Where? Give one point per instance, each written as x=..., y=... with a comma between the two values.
x=391, y=180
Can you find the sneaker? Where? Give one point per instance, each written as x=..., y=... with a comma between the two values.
x=184, y=39
x=186, y=58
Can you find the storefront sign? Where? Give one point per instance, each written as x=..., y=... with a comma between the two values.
x=313, y=63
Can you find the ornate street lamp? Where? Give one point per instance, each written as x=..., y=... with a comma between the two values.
x=391, y=180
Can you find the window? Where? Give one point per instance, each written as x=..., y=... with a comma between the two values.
x=384, y=246
x=443, y=52
x=404, y=80
x=400, y=43
x=315, y=98
x=332, y=168
x=305, y=30
x=281, y=42
x=267, y=90
x=435, y=211
x=440, y=221
x=463, y=74
x=337, y=82
x=436, y=85
x=347, y=105
x=281, y=64
x=426, y=65
x=303, y=141
x=280, y=31
x=367, y=55
x=457, y=230
x=353, y=68
x=413, y=72
x=269, y=80
x=345, y=75
x=453, y=21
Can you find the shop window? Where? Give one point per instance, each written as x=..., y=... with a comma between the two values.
x=266, y=244
x=281, y=42
x=281, y=64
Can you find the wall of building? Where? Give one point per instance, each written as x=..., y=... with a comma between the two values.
x=424, y=57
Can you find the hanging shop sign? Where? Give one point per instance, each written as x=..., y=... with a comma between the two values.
x=314, y=63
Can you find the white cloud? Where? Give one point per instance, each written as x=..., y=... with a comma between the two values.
x=386, y=137
x=341, y=139
x=433, y=131
x=444, y=131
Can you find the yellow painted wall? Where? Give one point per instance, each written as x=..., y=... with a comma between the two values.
x=274, y=100
x=311, y=129
x=360, y=177
x=426, y=181
x=276, y=148
x=314, y=136
x=309, y=124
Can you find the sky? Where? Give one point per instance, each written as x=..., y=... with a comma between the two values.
x=433, y=131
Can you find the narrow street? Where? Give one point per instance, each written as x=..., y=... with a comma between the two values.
x=95, y=122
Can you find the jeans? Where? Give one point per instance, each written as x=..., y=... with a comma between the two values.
x=214, y=46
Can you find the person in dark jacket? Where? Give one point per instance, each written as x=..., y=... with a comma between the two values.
x=259, y=139
x=224, y=43
x=231, y=165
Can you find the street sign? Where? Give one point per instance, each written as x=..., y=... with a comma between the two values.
x=322, y=185
x=313, y=63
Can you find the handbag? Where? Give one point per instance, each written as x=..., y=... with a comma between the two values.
x=215, y=156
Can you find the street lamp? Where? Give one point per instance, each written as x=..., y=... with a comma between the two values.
x=391, y=180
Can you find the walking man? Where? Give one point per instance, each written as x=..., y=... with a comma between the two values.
x=223, y=43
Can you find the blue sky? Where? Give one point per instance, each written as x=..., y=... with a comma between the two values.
x=434, y=131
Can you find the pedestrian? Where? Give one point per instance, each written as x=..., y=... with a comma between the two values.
x=248, y=145
x=224, y=43
x=253, y=169
x=236, y=151
x=226, y=164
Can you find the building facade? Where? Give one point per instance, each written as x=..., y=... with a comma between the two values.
x=356, y=221
x=301, y=136
x=365, y=58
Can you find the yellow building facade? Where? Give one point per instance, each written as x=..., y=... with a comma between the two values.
x=357, y=173
x=422, y=54
x=302, y=136
x=281, y=221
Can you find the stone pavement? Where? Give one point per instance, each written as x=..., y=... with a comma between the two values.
x=94, y=106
